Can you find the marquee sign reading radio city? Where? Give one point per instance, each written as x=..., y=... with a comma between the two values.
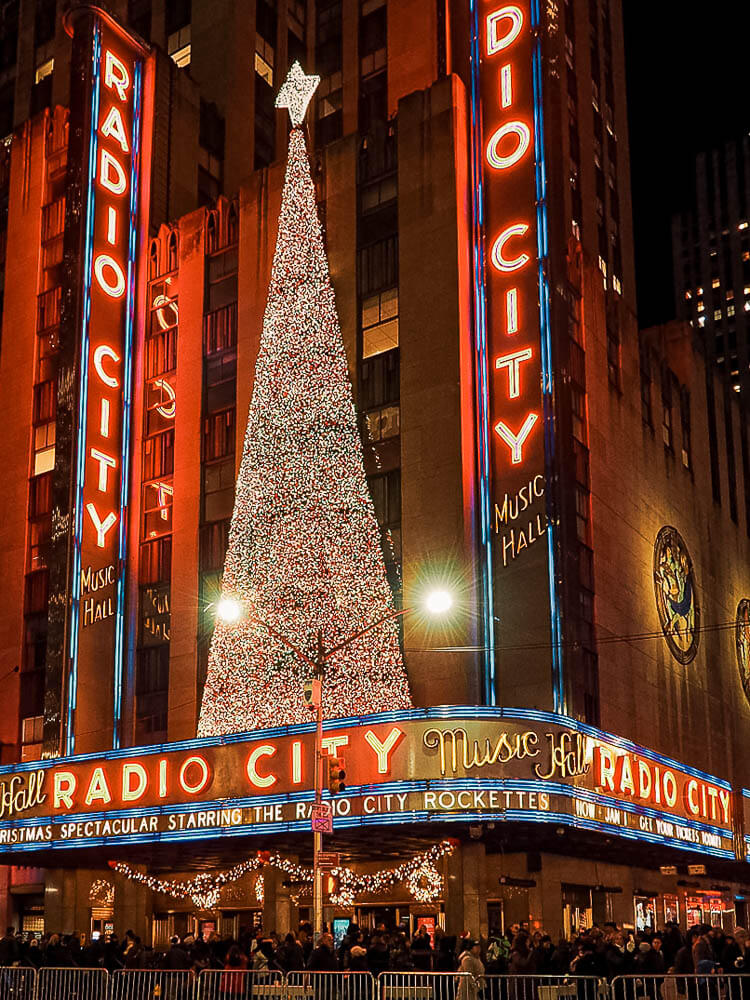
x=111, y=193
x=433, y=765
x=512, y=335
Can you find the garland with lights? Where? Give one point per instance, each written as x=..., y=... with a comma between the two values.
x=203, y=888
x=305, y=556
x=422, y=878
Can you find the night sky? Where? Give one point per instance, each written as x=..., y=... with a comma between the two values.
x=688, y=89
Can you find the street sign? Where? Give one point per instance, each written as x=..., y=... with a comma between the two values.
x=328, y=859
x=322, y=824
x=320, y=809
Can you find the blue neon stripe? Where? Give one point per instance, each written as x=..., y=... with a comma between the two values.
x=481, y=366
x=127, y=406
x=83, y=399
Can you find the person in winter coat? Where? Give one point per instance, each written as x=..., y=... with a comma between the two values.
x=471, y=980
x=323, y=958
x=290, y=956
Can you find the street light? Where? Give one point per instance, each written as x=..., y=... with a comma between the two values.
x=230, y=611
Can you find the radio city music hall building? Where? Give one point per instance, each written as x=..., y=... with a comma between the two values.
x=581, y=485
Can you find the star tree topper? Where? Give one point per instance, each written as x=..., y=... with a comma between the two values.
x=296, y=93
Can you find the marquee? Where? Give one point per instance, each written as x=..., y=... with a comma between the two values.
x=420, y=766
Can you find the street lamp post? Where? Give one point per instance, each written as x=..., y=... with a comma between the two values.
x=439, y=602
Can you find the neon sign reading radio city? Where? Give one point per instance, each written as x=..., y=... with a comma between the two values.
x=109, y=274
x=510, y=145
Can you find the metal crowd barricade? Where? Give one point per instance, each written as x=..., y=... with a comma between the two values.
x=17, y=983
x=330, y=986
x=544, y=987
x=153, y=984
x=669, y=986
x=426, y=986
x=72, y=984
x=241, y=984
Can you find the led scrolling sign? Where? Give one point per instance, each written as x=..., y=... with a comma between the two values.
x=106, y=342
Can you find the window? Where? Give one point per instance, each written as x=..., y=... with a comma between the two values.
x=161, y=353
x=218, y=435
x=179, y=47
x=379, y=380
x=385, y=490
x=578, y=413
x=380, y=323
x=613, y=355
x=221, y=278
x=264, y=59
x=582, y=513
x=378, y=266
x=645, y=373
x=158, y=456
x=156, y=561
x=157, y=508
x=214, y=541
x=666, y=409
x=381, y=424
x=220, y=329
x=152, y=691
x=218, y=490
x=685, y=425
x=44, y=448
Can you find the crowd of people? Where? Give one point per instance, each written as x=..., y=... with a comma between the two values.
x=601, y=952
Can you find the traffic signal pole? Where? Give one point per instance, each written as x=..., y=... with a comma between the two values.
x=317, y=835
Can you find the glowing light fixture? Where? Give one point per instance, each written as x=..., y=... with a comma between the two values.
x=229, y=610
x=438, y=602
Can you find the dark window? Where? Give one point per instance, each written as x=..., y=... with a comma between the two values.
x=218, y=490
x=151, y=692
x=214, y=541
x=385, y=490
x=645, y=375
x=220, y=329
x=220, y=374
x=380, y=380
x=161, y=353
x=378, y=266
x=221, y=280
x=667, y=429
x=37, y=591
x=179, y=14
x=156, y=561
x=687, y=460
x=265, y=123
x=139, y=17
x=44, y=21
x=158, y=456
x=218, y=435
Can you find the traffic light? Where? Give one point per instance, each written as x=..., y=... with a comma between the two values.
x=336, y=775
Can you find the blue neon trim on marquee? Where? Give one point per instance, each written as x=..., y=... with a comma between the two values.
x=72, y=691
x=481, y=366
x=127, y=404
x=447, y=712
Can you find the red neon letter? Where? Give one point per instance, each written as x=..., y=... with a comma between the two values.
x=113, y=289
x=513, y=363
x=496, y=43
x=506, y=86
x=113, y=128
x=104, y=351
x=105, y=462
x=385, y=748
x=130, y=794
x=260, y=780
x=98, y=789
x=107, y=166
x=63, y=789
x=102, y=527
x=497, y=256
x=204, y=776
x=521, y=131
x=515, y=441
x=511, y=311
x=116, y=76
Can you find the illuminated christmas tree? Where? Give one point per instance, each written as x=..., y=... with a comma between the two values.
x=304, y=553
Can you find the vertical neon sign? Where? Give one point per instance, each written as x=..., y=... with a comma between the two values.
x=513, y=349
x=105, y=365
